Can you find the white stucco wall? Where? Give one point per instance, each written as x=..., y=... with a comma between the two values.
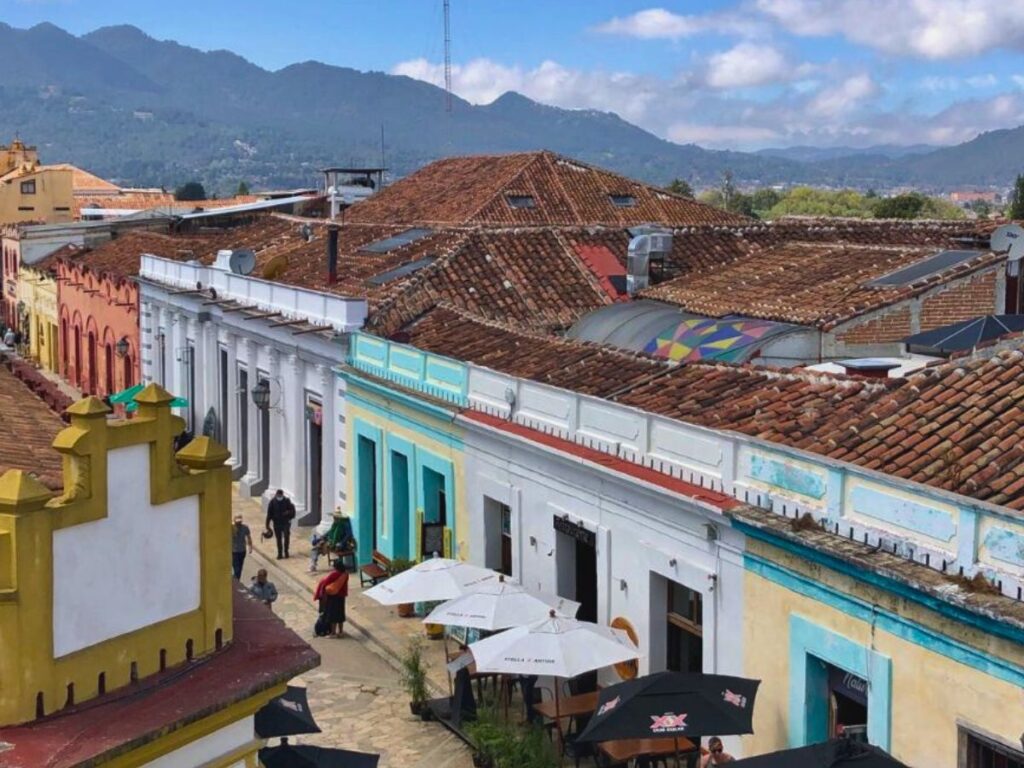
x=138, y=566
x=216, y=745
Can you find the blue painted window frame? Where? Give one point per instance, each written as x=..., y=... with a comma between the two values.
x=363, y=530
x=809, y=641
x=405, y=448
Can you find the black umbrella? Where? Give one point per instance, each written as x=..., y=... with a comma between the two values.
x=675, y=704
x=838, y=753
x=967, y=334
x=308, y=756
x=287, y=715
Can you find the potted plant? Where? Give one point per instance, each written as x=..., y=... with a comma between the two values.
x=399, y=564
x=414, y=675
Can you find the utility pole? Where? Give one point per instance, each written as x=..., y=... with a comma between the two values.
x=447, y=56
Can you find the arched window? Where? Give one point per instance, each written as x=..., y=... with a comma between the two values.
x=108, y=368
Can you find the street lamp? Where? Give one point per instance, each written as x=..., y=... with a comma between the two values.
x=122, y=346
x=261, y=395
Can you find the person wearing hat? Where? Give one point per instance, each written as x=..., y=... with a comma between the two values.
x=280, y=513
x=241, y=543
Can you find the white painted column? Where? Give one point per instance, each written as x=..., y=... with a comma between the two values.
x=193, y=334
x=328, y=455
x=250, y=481
x=232, y=415
x=293, y=402
x=207, y=373
x=147, y=337
x=276, y=436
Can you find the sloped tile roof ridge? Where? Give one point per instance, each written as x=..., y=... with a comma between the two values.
x=504, y=183
x=815, y=378
x=550, y=339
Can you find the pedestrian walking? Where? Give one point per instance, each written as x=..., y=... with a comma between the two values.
x=241, y=544
x=280, y=513
x=262, y=589
x=331, y=591
x=9, y=338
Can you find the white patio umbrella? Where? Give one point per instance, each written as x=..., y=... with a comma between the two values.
x=498, y=604
x=436, y=579
x=556, y=646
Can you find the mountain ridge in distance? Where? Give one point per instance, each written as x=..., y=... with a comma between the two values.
x=143, y=111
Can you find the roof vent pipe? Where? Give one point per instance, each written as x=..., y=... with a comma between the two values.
x=332, y=255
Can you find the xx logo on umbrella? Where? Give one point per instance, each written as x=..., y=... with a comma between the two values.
x=668, y=722
x=608, y=706
x=737, y=700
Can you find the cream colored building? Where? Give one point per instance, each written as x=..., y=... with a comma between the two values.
x=30, y=191
x=37, y=302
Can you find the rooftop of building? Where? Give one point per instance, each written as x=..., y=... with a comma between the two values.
x=264, y=653
x=28, y=427
x=84, y=182
x=528, y=189
x=954, y=426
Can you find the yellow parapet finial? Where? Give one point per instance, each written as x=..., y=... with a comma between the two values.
x=154, y=394
x=203, y=453
x=88, y=407
x=19, y=489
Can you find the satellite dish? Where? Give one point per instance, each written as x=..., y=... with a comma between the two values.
x=275, y=267
x=1008, y=239
x=242, y=261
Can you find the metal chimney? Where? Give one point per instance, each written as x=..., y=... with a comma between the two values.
x=332, y=255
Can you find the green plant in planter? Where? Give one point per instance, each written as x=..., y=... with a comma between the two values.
x=400, y=564
x=413, y=674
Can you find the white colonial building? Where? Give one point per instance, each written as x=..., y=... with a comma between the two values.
x=253, y=359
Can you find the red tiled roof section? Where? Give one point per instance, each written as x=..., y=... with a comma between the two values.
x=553, y=191
x=27, y=430
x=606, y=268
x=807, y=283
x=586, y=368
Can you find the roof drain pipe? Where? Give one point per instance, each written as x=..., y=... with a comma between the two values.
x=332, y=255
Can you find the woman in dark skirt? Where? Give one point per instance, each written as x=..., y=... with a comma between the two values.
x=331, y=592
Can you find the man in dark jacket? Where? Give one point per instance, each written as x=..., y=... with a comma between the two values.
x=280, y=513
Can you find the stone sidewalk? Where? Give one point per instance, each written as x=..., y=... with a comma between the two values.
x=380, y=626
x=354, y=694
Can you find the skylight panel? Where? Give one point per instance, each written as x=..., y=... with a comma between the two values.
x=403, y=271
x=407, y=237
x=929, y=267
x=521, y=201
x=622, y=201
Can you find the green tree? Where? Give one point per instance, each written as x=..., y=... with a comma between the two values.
x=191, y=190
x=243, y=189
x=1016, y=209
x=680, y=187
x=764, y=199
x=908, y=206
x=808, y=201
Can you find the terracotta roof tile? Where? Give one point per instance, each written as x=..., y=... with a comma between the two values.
x=546, y=189
x=887, y=424
x=27, y=429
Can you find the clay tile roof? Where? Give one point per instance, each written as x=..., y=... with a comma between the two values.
x=27, y=430
x=529, y=189
x=587, y=368
x=83, y=182
x=954, y=426
x=807, y=272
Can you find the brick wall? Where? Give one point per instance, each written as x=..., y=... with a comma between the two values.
x=894, y=326
x=962, y=302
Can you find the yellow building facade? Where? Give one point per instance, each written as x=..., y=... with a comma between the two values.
x=116, y=582
x=30, y=191
x=37, y=301
x=936, y=679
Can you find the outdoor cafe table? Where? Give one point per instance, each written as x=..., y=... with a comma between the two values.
x=570, y=706
x=623, y=750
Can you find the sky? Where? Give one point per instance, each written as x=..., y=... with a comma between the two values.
x=725, y=74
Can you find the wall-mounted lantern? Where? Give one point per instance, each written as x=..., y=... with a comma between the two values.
x=261, y=395
x=121, y=347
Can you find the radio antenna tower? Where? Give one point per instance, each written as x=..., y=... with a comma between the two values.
x=447, y=56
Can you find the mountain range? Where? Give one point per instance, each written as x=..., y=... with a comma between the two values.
x=145, y=112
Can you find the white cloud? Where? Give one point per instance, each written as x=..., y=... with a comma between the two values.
x=660, y=24
x=937, y=83
x=841, y=99
x=933, y=29
x=748, y=64
x=711, y=135
x=1018, y=80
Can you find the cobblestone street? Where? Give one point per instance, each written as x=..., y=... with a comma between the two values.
x=355, y=694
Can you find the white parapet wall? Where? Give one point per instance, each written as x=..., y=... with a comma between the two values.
x=343, y=314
